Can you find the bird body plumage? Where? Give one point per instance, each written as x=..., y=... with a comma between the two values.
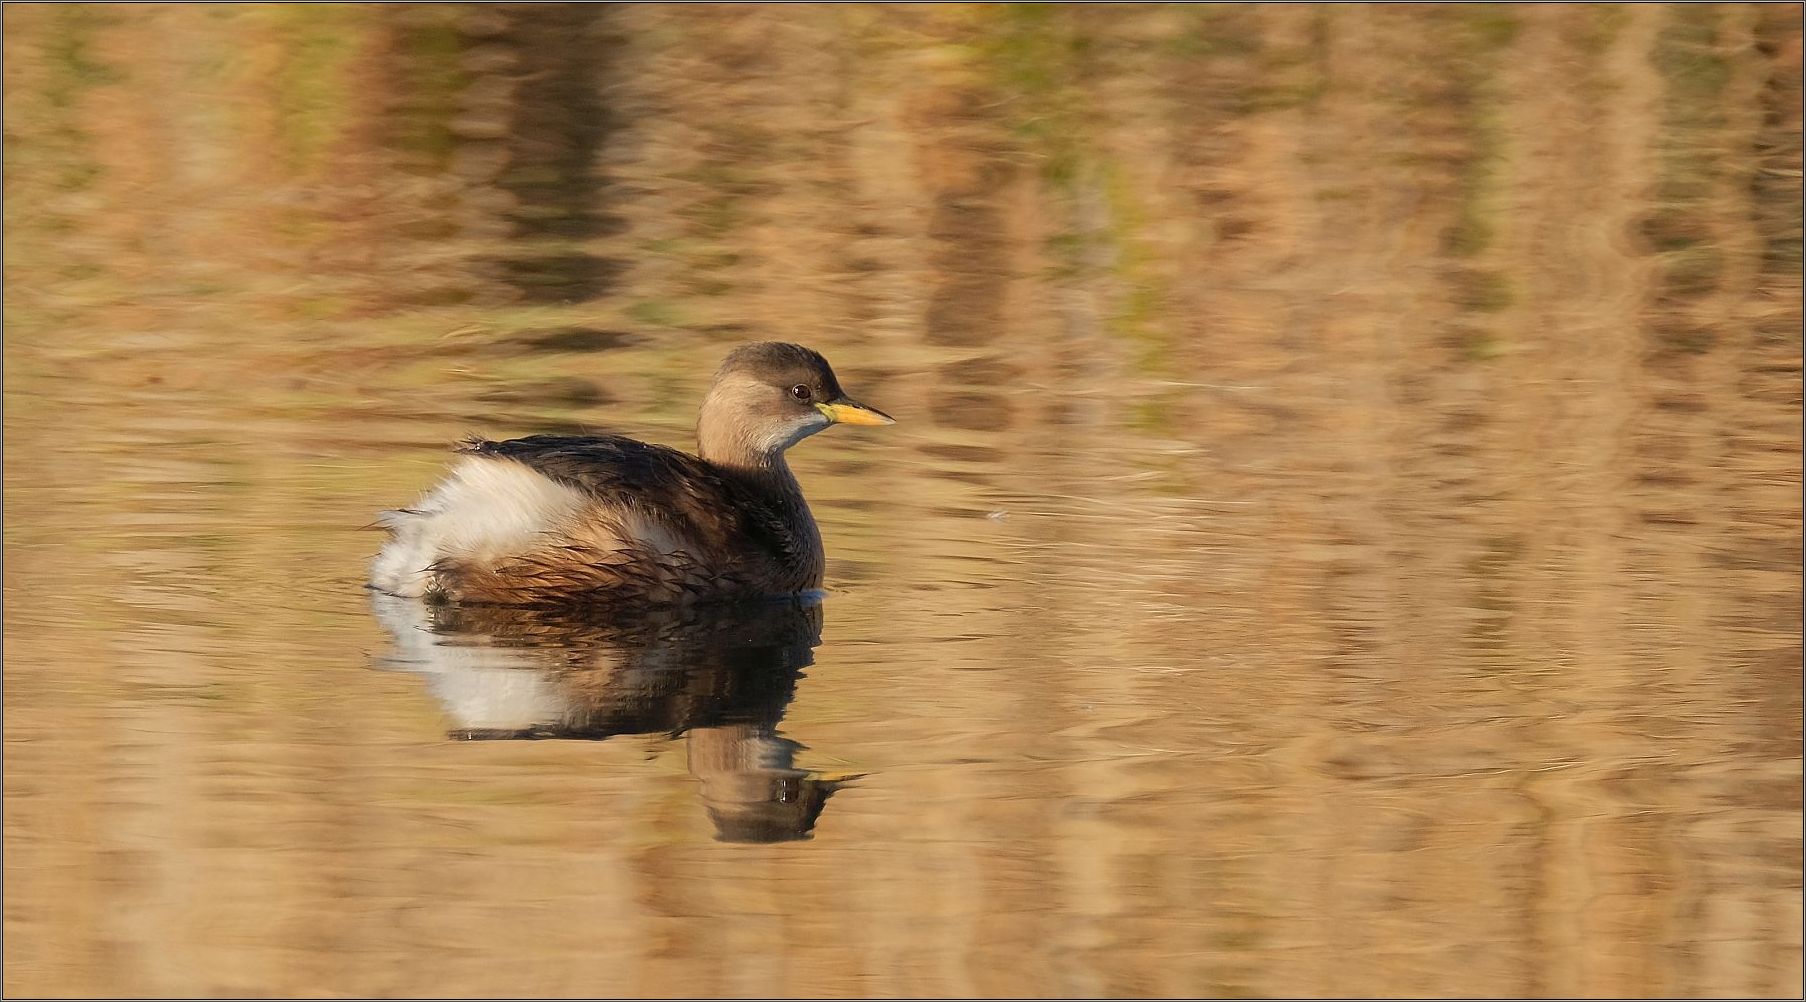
x=557, y=519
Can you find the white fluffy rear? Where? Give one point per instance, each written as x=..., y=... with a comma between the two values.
x=487, y=508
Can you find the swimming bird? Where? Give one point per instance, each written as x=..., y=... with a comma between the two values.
x=562, y=519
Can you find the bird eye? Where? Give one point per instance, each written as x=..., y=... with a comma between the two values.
x=800, y=391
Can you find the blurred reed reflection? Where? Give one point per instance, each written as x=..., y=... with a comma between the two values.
x=719, y=677
x=1342, y=537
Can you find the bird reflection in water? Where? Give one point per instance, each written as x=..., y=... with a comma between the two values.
x=721, y=677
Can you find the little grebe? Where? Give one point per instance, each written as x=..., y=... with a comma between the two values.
x=559, y=519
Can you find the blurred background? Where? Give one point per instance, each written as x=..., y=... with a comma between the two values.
x=1342, y=533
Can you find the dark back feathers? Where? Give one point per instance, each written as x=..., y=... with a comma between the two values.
x=719, y=509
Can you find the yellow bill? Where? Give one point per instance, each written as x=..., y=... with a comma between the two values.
x=848, y=412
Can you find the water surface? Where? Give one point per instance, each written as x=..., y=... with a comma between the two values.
x=1342, y=533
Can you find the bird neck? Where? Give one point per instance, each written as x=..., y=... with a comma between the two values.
x=765, y=480
x=769, y=474
x=723, y=444
x=759, y=470
x=723, y=439
x=728, y=448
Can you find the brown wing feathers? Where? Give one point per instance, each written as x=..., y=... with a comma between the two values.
x=594, y=563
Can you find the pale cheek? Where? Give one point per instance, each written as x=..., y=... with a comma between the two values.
x=789, y=435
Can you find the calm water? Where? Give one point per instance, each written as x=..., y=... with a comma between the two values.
x=1342, y=533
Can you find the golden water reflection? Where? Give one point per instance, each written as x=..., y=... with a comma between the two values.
x=1341, y=534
